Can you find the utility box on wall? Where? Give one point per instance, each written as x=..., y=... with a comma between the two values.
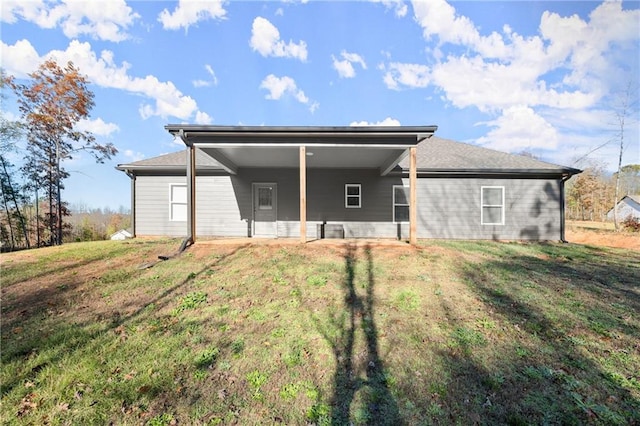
x=326, y=230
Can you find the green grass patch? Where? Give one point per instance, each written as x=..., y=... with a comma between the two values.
x=479, y=332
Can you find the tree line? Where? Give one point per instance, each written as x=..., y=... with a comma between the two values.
x=591, y=195
x=51, y=103
x=56, y=98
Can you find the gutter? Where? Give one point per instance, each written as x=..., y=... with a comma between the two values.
x=562, y=207
x=191, y=196
x=132, y=176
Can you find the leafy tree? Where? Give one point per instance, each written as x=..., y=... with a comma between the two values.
x=589, y=194
x=51, y=104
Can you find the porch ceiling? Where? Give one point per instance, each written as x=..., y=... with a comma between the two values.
x=317, y=157
x=235, y=147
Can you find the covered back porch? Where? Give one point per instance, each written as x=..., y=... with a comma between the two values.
x=309, y=152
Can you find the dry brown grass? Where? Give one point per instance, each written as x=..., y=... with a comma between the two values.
x=348, y=332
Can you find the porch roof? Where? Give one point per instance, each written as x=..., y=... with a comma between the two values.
x=235, y=147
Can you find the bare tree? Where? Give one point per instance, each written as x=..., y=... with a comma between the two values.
x=52, y=103
x=626, y=104
x=10, y=132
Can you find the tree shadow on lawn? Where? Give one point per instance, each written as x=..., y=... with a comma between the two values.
x=65, y=337
x=558, y=383
x=360, y=388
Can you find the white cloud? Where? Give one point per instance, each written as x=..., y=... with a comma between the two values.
x=265, y=39
x=21, y=59
x=203, y=118
x=386, y=122
x=281, y=86
x=399, y=6
x=109, y=21
x=498, y=70
x=97, y=127
x=277, y=87
x=133, y=155
x=201, y=83
x=345, y=66
x=552, y=86
x=518, y=128
x=491, y=85
x=190, y=12
x=206, y=83
x=410, y=75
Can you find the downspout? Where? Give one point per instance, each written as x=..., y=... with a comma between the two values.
x=191, y=199
x=562, y=209
x=132, y=176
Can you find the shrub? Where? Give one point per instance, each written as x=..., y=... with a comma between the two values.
x=631, y=223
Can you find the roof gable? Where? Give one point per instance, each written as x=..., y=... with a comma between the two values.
x=171, y=161
x=632, y=200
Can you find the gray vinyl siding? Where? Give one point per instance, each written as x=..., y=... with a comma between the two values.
x=450, y=208
x=447, y=207
x=217, y=211
x=325, y=200
x=152, y=213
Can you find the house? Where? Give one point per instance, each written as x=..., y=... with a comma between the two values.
x=122, y=234
x=629, y=205
x=356, y=182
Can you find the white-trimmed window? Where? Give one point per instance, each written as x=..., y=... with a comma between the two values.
x=492, y=202
x=178, y=202
x=352, y=195
x=400, y=203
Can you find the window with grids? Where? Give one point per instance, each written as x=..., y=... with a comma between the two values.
x=178, y=202
x=353, y=195
x=492, y=201
x=400, y=203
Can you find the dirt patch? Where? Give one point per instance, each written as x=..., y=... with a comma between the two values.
x=603, y=238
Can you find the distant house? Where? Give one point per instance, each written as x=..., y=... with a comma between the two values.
x=629, y=205
x=360, y=182
x=122, y=234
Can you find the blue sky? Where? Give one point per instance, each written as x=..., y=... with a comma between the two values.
x=538, y=76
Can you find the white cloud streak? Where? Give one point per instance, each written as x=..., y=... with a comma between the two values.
x=518, y=128
x=166, y=100
x=505, y=74
x=281, y=86
x=399, y=74
x=265, y=39
x=345, y=66
x=97, y=127
x=190, y=12
x=399, y=7
x=110, y=21
x=388, y=122
x=207, y=83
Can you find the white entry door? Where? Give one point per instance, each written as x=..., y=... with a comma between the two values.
x=265, y=210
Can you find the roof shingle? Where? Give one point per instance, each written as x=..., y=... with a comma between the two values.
x=433, y=155
x=438, y=154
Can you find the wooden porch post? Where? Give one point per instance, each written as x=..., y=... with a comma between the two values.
x=413, y=207
x=191, y=193
x=303, y=194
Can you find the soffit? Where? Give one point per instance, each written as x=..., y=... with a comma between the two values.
x=316, y=156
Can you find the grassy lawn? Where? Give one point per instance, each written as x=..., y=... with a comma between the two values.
x=446, y=333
